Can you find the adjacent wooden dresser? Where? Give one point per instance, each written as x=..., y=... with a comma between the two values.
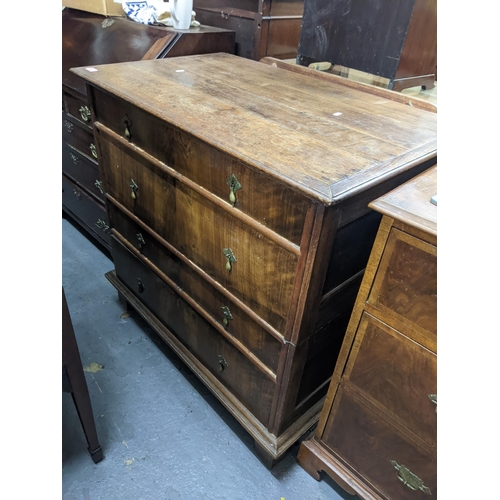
x=237, y=194
x=377, y=432
x=94, y=39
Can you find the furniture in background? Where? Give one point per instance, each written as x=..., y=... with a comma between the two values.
x=377, y=433
x=395, y=39
x=262, y=27
x=89, y=39
x=239, y=218
x=73, y=381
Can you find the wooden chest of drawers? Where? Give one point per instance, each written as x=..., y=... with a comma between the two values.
x=377, y=432
x=237, y=194
x=94, y=39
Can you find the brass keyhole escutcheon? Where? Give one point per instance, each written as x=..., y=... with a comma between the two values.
x=222, y=362
x=227, y=315
x=93, y=150
x=78, y=194
x=69, y=126
x=98, y=185
x=134, y=187
x=102, y=225
x=75, y=158
x=85, y=113
x=230, y=258
x=127, y=132
x=234, y=186
x=141, y=241
x=140, y=285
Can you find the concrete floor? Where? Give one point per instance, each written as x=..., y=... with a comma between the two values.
x=163, y=434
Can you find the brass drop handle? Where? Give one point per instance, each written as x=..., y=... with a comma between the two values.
x=134, y=187
x=85, y=113
x=93, y=150
x=230, y=258
x=140, y=285
x=227, y=315
x=141, y=241
x=75, y=158
x=434, y=399
x=127, y=124
x=98, y=185
x=409, y=479
x=102, y=225
x=69, y=126
x=234, y=186
x=222, y=362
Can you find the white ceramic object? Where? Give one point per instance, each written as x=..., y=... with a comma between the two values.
x=181, y=12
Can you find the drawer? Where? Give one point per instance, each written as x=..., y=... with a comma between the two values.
x=404, y=291
x=242, y=378
x=77, y=108
x=262, y=275
x=239, y=324
x=78, y=136
x=262, y=197
x=86, y=209
x=397, y=375
x=379, y=453
x=82, y=170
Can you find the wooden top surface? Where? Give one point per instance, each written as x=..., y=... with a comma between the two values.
x=328, y=140
x=410, y=202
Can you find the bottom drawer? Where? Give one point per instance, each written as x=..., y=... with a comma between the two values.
x=87, y=210
x=376, y=451
x=243, y=379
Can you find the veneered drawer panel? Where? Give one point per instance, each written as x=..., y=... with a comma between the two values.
x=87, y=209
x=82, y=170
x=240, y=325
x=78, y=136
x=396, y=374
x=405, y=287
x=368, y=443
x=262, y=275
x=243, y=379
x=78, y=108
x=262, y=197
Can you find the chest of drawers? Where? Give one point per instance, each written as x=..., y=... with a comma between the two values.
x=377, y=432
x=237, y=194
x=94, y=39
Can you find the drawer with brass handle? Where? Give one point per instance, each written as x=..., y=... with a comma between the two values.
x=77, y=108
x=79, y=137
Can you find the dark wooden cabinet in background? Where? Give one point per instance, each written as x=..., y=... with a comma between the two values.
x=394, y=39
x=90, y=39
x=262, y=27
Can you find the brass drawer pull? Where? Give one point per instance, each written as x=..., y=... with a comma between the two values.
x=69, y=126
x=78, y=194
x=409, y=479
x=75, y=158
x=93, y=150
x=230, y=258
x=222, y=362
x=234, y=186
x=227, y=315
x=134, y=187
x=434, y=399
x=140, y=285
x=141, y=241
x=127, y=124
x=98, y=185
x=85, y=113
x=102, y=225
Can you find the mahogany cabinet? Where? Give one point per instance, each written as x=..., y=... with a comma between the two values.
x=377, y=432
x=237, y=193
x=263, y=27
x=94, y=39
x=394, y=39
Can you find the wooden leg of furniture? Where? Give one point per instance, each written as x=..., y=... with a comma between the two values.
x=124, y=302
x=74, y=382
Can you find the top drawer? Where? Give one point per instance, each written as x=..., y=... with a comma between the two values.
x=260, y=196
x=77, y=108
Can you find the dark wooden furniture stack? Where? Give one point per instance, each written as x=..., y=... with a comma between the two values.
x=237, y=194
x=394, y=39
x=377, y=432
x=263, y=27
x=94, y=39
x=73, y=381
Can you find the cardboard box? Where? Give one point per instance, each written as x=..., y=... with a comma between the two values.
x=104, y=7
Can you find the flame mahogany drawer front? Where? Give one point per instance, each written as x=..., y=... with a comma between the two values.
x=238, y=194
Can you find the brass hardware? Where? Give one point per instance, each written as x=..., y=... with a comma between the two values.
x=140, y=285
x=141, y=240
x=98, y=185
x=93, y=150
x=227, y=315
x=434, y=399
x=75, y=158
x=230, y=258
x=127, y=124
x=69, y=126
x=85, y=113
x=234, y=186
x=78, y=194
x=409, y=479
x=222, y=362
x=134, y=187
x=102, y=225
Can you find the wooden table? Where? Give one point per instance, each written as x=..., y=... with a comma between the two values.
x=238, y=199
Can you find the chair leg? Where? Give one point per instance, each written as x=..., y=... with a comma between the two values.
x=74, y=369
